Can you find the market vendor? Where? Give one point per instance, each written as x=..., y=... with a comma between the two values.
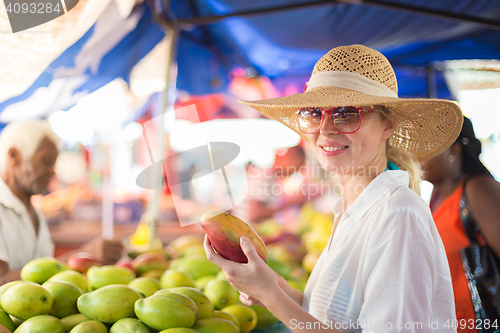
x=28, y=153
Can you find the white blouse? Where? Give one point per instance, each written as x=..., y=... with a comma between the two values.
x=385, y=268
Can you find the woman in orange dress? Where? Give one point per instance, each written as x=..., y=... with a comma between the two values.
x=454, y=172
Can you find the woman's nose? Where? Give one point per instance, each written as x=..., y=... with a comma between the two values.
x=327, y=126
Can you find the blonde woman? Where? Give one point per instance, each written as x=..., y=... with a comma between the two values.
x=385, y=268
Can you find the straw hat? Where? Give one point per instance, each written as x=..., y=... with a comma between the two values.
x=357, y=75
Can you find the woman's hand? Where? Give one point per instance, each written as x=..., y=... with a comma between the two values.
x=256, y=280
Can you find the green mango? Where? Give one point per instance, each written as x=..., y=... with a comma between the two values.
x=146, y=285
x=99, y=277
x=211, y=325
x=109, y=304
x=64, y=296
x=6, y=321
x=203, y=303
x=221, y=293
x=202, y=282
x=26, y=300
x=196, y=267
x=265, y=317
x=73, y=277
x=41, y=324
x=179, y=330
x=71, y=321
x=41, y=269
x=6, y=287
x=128, y=325
x=91, y=326
x=167, y=310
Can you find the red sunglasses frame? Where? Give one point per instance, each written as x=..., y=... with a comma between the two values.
x=360, y=111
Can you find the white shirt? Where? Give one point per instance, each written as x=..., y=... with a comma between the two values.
x=386, y=268
x=18, y=242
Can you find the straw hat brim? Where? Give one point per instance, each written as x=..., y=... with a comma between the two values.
x=425, y=127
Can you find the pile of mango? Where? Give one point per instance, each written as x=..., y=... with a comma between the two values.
x=172, y=290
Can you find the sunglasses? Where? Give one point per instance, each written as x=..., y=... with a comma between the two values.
x=345, y=119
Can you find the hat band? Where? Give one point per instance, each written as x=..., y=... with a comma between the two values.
x=351, y=81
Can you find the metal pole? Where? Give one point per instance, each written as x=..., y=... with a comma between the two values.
x=154, y=207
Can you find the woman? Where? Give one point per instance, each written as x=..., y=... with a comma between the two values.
x=385, y=267
x=455, y=173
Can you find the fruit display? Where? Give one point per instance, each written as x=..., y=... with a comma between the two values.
x=174, y=289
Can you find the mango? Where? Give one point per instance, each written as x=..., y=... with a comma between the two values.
x=203, y=303
x=109, y=304
x=3, y=329
x=246, y=316
x=265, y=318
x=64, y=296
x=224, y=231
x=73, y=277
x=148, y=262
x=70, y=322
x=227, y=316
x=167, y=310
x=221, y=293
x=145, y=285
x=128, y=325
x=91, y=326
x=196, y=267
x=6, y=287
x=99, y=277
x=211, y=325
x=179, y=330
x=202, y=282
x=26, y=300
x=6, y=321
x=155, y=274
x=41, y=324
x=41, y=269
x=172, y=278
x=81, y=262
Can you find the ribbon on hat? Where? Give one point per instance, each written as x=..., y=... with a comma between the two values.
x=351, y=81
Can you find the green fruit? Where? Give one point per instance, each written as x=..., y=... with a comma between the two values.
x=227, y=316
x=246, y=316
x=145, y=285
x=64, y=296
x=26, y=300
x=221, y=293
x=71, y=321
x=73, y=277
x=172, y=278
x=279, y=267
x=167, y=310
x=202, y=282
x=41, y=324
x=128, y=325
x=91, y=326
x=41, y=269
x=6, y=321
x=109, y=304
x=99, y=277
x=215, y=325
x=265, y=317
x=6, y=287
x=179, y=330
x=203, y=303
x=196, y=267
x=221, y=276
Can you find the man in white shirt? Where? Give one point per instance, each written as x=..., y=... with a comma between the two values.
x=28, y=153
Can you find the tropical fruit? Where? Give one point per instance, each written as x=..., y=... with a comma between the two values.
x=224, y=231
x=202, y=282
x=81, y=262
x=91, y=326
x=26, y=300
x=109, y=304
x=70, y=322
x=227, y=316
x=221, y=293
x=176, y=311
x=179, y=330
x=145, y=285
x=99, y=277
x=203, y=303
x=128, y=325
x=6, y=287
x=73, y=277
x=196, y=267
x=64, y=296
x=265, y=317
x=246, y=316
x=42, y=323
x=6, y=321
x=149, y=261
x=41, y=269
x=211, y=325
x=173, y=278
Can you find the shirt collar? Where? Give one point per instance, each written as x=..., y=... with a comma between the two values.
x=385, y=182
x=8, y=199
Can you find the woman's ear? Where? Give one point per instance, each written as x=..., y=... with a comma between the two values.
x=14, y=157
x=389, y=124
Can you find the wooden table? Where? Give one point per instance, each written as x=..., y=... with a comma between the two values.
x=71, y=234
